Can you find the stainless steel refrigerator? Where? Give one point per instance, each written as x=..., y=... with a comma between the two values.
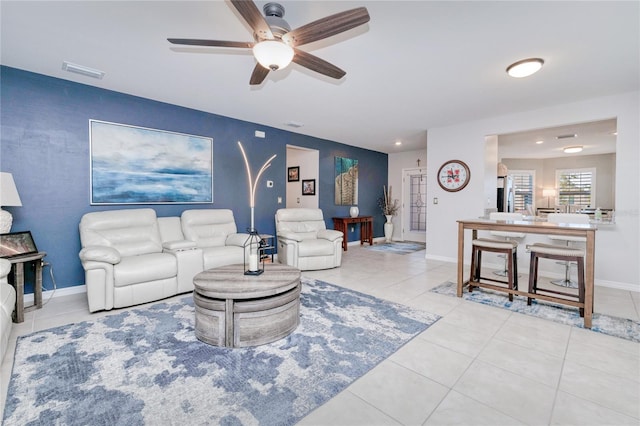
x=505, y=194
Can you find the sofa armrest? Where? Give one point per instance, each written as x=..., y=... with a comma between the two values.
x=330, y=234
x=179, y=245
x=238, y=239
x=289, y=236
x=100, y=254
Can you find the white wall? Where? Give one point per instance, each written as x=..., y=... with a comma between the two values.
x=617, y=246
x=397, y=163
x=309, y=162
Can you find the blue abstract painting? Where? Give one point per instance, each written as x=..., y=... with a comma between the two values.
x=136, y=165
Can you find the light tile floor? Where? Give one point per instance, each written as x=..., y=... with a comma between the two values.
x=478, y=365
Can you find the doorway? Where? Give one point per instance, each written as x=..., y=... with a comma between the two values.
x=307, y=163
x=414, y=206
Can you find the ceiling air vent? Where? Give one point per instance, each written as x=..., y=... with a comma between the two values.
x=82, y=70
x=569, y=136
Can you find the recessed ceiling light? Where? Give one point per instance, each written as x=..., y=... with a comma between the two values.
x=294, y=124
x=398, y=143
x=525, y=67
x=539, y=142
x=82, y=70
x=572, y=149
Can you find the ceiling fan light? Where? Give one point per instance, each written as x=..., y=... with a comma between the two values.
x=525, y=67
x=273, y=54
x=572, y=149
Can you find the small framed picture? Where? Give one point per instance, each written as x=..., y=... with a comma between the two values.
x=293, y=174
x=309, y=187
x=17, y=244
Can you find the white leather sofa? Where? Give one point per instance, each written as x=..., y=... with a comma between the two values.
x=304, y=241
x=132, y=256
x=7, y=306
x=214, y=232
x=123, y=259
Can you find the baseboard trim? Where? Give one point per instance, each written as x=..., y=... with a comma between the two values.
x=599, y=283
x=60, y=292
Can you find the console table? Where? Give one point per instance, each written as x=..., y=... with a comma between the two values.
x=366, y=228
x=17, y=266
x=546, y=228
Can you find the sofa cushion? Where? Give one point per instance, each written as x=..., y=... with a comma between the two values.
x=208, y=227
x=131, y=232
x=143, y=268
x=304, y=222
x=214, y=257
x=7, y=300
x=316, y=248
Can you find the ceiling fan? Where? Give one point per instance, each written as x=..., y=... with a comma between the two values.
x=276, y=44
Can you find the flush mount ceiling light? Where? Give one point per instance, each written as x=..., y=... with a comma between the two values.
x=525, y=67
x=572, y=149
x=82, y=70
x=272, y=54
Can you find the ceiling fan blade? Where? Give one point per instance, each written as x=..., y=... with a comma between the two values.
x=215, y=43
x=316, y=64
x=327, y=27
x=258, y=75
x=251, y=14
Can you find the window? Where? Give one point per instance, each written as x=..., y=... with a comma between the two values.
x=576, y=186
x=523, y=188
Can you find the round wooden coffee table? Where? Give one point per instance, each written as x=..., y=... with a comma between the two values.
x=237, y=310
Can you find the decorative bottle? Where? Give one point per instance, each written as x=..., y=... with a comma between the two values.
x=598, y=215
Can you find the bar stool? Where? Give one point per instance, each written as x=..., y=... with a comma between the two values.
x=505, y=235
x=567, y=254
x=567, y=218
x=508, y=248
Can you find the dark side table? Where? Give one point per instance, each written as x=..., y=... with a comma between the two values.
x=366, y=228
x=17, y=266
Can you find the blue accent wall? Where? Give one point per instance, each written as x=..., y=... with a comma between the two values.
x=45, y=145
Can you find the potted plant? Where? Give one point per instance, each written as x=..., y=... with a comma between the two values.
x=390, y=208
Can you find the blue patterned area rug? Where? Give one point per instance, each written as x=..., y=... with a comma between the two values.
x=613, y=326
x=398, y=247
x=145, y=366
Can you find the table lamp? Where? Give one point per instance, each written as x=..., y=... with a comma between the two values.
x=8, y=197
x=548, y=193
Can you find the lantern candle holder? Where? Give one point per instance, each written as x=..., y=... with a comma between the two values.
x=253, y=261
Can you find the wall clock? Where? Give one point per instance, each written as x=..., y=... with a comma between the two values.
x=454, y=175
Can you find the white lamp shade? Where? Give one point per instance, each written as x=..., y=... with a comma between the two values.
x=8, y=191
x=273, y=54
x=548, y=192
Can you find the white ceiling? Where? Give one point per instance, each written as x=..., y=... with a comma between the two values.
x=416, y=65
x=597, y=137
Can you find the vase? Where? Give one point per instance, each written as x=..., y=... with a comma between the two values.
x=354, y=211
x=388, y=228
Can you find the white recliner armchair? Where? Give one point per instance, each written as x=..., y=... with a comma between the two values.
x=304, y=241
x=123, y=259
x=7, y=306
x=214, y=231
